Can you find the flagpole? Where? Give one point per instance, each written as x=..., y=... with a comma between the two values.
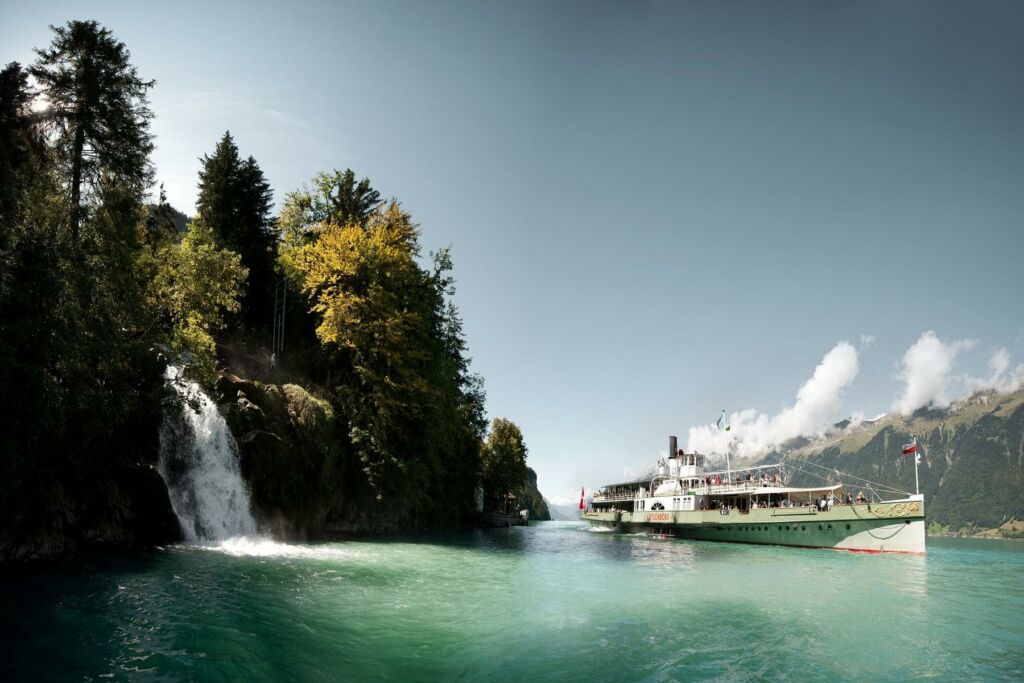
x=917, y=459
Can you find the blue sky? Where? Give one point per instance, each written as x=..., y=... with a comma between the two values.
x=657, y=210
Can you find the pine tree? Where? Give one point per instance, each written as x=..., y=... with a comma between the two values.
x=335, y=197
x=99, y=114
x=235, y=200
x=255, y=240
x=218, y=182
x=20, y=143
x=350, y=200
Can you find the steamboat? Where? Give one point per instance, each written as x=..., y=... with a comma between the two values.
x=755, y=505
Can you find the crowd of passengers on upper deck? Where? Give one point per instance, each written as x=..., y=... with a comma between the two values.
x=763, y=479
x=823, y=503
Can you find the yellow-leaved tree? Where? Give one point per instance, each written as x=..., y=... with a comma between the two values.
x=376, y=304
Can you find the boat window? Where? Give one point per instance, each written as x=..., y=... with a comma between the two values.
x=657, y=506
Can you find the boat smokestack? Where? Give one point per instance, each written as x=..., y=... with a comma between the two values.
x=673, y=446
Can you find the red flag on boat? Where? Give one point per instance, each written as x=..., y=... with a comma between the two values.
x=910, y=448
x=582, y=504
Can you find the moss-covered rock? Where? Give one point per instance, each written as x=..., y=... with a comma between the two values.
x=288, y=450
x=305, y=480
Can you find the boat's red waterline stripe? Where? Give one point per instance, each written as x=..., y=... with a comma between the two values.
x=869, y=551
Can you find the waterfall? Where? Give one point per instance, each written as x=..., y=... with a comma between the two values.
x=199, y=462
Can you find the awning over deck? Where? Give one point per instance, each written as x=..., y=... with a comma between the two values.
x=767, y=490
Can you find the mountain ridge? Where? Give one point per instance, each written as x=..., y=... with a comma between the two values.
x=972, y=459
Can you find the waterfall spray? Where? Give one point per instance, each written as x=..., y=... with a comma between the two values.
x=199, y=462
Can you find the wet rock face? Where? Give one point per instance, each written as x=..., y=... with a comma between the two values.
x=149, y=518
x=125, y=506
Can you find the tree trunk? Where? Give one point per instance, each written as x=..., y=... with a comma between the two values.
x=76, y=182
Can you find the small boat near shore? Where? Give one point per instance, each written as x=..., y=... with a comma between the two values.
x=755, y=505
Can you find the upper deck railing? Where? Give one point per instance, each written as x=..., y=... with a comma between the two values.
x=741, y=487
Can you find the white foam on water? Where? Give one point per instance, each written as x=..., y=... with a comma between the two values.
x=255, y=546
x=199, y=463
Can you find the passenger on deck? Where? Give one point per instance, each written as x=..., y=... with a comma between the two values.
x=861, y=498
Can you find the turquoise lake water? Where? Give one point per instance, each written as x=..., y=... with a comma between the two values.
x=552, y=601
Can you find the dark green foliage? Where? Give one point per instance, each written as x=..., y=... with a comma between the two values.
x=335, y=197
x=349, y=200
x=82, y=389
x=504, y=463
x=98, y=116
x=21, y=144
x=164, y=223
x=235, y=200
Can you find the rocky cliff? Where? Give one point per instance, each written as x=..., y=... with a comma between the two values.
x=530, y=498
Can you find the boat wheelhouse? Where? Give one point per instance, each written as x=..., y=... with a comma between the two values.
x=755, y=505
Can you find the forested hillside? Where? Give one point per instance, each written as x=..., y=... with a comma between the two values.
x=972, y=464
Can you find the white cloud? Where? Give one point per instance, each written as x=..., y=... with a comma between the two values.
x=866, y=341
x=570, y=497
x=925, y=372
x=1001, y=378
x=817, y=407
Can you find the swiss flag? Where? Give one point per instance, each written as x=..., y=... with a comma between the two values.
x=582, y=504
x=910, y=448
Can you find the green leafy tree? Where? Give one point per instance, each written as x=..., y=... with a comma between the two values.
x=98, y=112
x=504, y=461
x=196, y=283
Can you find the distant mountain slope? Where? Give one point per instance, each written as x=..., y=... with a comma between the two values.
x=972, y=467
x=564, y=513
